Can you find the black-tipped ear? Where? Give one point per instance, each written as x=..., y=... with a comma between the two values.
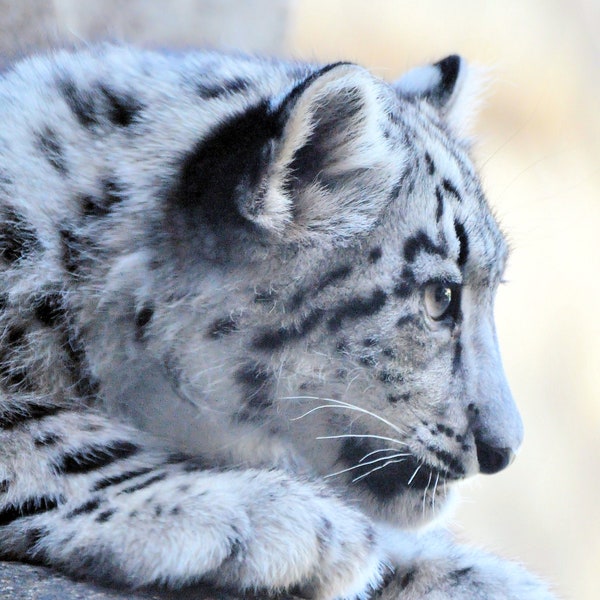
x=449, y=85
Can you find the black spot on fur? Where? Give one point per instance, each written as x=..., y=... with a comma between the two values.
x=430, y=164
x=463, y=240
x=113, y=193
x=222, y=327
x=386, y=376
x=71, y=250
x=456, y=576
x=4, y=486
x=407, y=284
x=357, y=308
x=395, y=398
x=79, y=102
x=407, y=579
x=50, y=147
x=144, y=484
x=439, y=211
x=449, y=187
x=85, y=509
x=91, y=458
x=28, y=508
x=105, y=515
x=375, y=254
x=406, y=320
x=17, y=239
x=210, y=91
x=265, y=296
x=118, y=479
x=142, y=319
x=122, y=108
x=421, y=242
x=257, y=385
x=47, y=439
x=48, y=309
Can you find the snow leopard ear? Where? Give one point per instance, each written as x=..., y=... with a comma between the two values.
x=449, y=85
x=332, y=171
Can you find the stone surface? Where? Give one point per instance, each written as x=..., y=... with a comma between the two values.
x=26, y=582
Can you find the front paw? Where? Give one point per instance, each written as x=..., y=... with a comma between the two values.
x=441, y=570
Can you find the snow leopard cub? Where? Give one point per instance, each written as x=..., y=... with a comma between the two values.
x=246, y=325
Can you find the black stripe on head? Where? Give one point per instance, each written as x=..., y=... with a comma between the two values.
x=52, y=150
x=421, y=242
x=122, y=108
x=449, y=187
x=357, y=308
x=29, y=508
x=273, y=339
x=463, y=240
x=17, y=238
x=330, y=278
x=211, y=91
x=80, y=103
x=407, y=284
x=91, y=458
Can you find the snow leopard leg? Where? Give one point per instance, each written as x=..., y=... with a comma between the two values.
x=95, y=499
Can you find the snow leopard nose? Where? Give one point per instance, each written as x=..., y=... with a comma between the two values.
x=491, y=459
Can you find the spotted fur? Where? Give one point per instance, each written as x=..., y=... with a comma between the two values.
x=246, y=330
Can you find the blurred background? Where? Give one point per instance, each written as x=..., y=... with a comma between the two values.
x=538, y=148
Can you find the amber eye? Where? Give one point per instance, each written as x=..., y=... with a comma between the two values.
x=438, y=299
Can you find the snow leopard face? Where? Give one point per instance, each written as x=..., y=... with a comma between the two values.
x=349, y=266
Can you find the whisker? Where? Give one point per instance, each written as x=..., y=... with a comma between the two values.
x=371, y=462
x=361, y=435
x=437, y=479
x=341, y=404
x=425, y=492
x=376, y=452
x=414, y=474
x=390, y=462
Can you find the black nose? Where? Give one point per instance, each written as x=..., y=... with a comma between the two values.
x=491, y=460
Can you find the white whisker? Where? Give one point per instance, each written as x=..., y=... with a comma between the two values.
x=371, y=462
x=361, y=435
x=413, y=475
x=376, y=452
x=389, y=462
x=341, y=404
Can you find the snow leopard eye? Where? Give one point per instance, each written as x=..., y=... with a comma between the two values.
x=440, y=300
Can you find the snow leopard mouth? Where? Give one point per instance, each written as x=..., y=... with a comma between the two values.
x=395, y=474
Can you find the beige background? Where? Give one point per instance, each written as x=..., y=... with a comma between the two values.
x=538, y=148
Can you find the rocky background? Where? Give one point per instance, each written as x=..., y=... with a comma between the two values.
x=538, y=150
